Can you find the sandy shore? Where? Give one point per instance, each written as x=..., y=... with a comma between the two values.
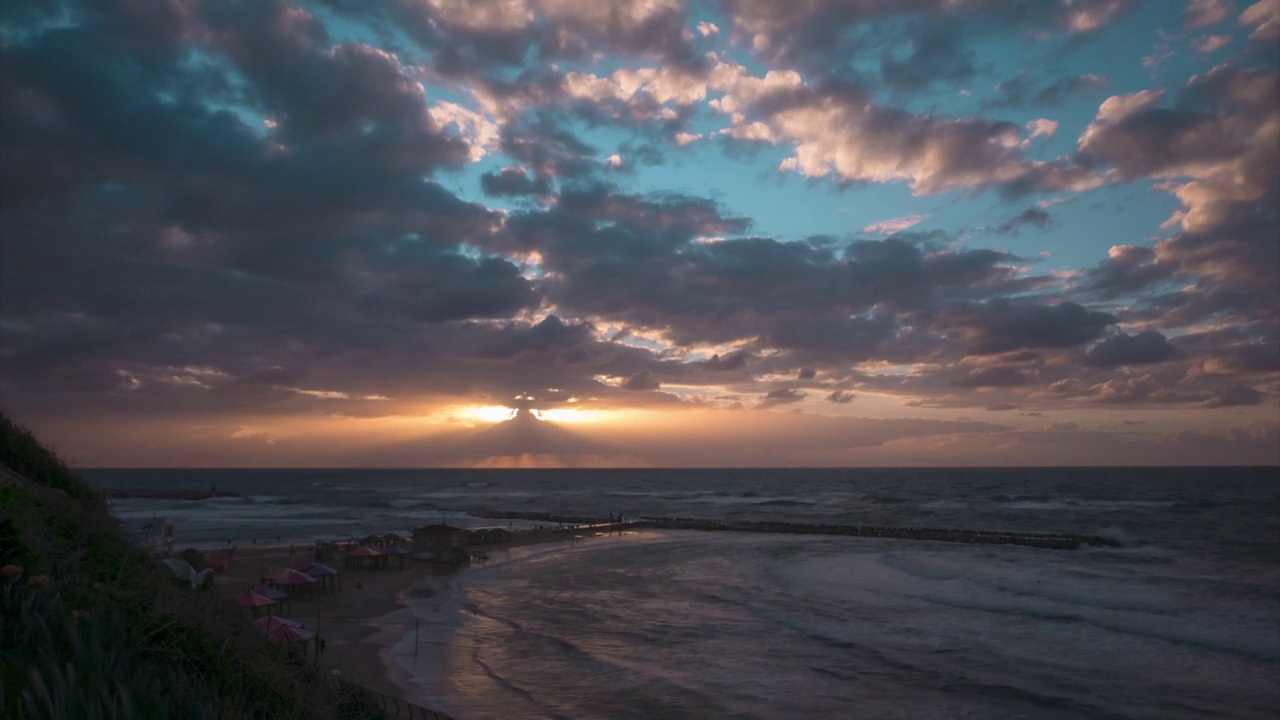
x=356, y=610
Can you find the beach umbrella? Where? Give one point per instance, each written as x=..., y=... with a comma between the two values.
x=273, y=623
x=323, y=573
x=270, y=592
x=276, y=596
x=278, y=629
x=253, y=600
x=289, y=576
x=361, y=552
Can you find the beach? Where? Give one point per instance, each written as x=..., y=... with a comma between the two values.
x=1174, y=621
x=359, y=616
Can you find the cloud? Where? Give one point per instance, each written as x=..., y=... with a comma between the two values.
x=841, y=133
x=514, y=182
x=1023, y=90
x=841, y=397
x=1030, y=216
x=1235, y=396
x=784, y=396
x=1265, y=14
x=732, y=361
x=995, y=376
x=641, y=380
x=1123, y=349
x=1210, y=43
x=1002, y=326
x=1203, y=13
x=894, y=225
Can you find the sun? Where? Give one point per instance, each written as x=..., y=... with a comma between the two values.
x=484, y=413
x=569, y=416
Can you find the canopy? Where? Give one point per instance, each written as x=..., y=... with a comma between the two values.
x=280, y=629
x=272, y=623
x=270, y=592
x=316, y=570
x=290, y=576
x=394, y=550
x=364, y=551
x=253, y=599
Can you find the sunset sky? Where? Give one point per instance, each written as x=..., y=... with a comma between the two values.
x=645, y=232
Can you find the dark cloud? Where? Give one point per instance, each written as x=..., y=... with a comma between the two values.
x=784, y=396
x=1023, y=90
x=731, y=361
x=514, y=182
x=828, y=37
x=937, y=55
x=550, y=335
x=807, y=374
x=1127, y=269
x=641, y=380
x=1122, y=349
x=1031, y=216
x=841, y=397
x=1002, y=326
x=995, y=376
x=1235, y=396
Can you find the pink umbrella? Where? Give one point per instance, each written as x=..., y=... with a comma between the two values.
x=270, y=592
x=253, y=599
x=289, y=576
x=362, y=552
x=273, y=623
x=325, y=574
x=278, y=629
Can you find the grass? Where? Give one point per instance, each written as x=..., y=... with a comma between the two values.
x=94, y=627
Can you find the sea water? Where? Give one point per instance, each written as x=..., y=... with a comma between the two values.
x=1179, y=622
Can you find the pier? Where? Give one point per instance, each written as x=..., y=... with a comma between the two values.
x=1049, y=541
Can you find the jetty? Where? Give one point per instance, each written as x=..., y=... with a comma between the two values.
x=1049, y=541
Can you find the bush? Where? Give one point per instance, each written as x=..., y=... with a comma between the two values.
x=111, y=636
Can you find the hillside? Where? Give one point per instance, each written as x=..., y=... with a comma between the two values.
x=92, y=627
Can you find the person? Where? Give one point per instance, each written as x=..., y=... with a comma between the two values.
x=322, y=643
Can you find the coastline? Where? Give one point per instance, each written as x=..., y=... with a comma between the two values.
x=362, y=627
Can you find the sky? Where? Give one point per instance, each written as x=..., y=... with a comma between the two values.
x=525, y=233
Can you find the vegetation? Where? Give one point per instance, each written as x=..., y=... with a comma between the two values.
x=92, y=627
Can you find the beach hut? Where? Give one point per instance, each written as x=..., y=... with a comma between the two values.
x=361, y=554
x=392, y=540
x=327, y=576
x=254, y=601
x=395, y=551
x=374, y=541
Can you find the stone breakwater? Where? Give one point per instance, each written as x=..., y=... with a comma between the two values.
x=169, y=494
x=1051, y=541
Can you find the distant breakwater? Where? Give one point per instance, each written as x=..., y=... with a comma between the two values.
x=1051, y=541
x=169, y=494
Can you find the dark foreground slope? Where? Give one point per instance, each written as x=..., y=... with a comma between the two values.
x=91, y=627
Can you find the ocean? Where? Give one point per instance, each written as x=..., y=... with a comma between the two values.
x=1181, y=621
